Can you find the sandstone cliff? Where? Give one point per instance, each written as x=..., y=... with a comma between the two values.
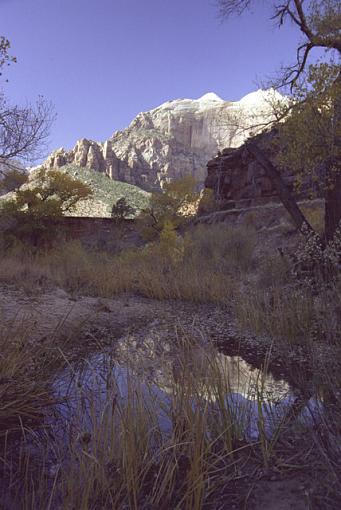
x=238, y=180
x=172, y=140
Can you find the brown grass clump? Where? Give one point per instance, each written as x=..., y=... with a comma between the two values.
x=121, y=458
x=23, y=390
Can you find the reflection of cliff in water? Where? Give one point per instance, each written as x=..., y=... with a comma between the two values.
x=167, y=362
x=160, y=371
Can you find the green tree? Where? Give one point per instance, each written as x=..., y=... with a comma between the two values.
x=315, y=104
x=122, y=210
x=307, y=140
x=46, y=197
x=174, y=205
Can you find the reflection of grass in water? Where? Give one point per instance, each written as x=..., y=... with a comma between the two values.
x=151, y=467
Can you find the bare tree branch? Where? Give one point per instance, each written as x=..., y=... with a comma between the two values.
x=319, y=22
x=230, y=7
x=24, y=130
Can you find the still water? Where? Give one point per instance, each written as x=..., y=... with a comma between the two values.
x=159, y=376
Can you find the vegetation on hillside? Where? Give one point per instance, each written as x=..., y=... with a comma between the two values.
x=106, y=193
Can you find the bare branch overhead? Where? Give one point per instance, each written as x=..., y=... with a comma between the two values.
x=319, y=22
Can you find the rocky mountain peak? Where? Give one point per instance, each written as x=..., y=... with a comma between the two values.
x=174, y=139
x=209, y=97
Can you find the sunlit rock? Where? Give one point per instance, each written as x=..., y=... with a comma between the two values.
x=172, y=140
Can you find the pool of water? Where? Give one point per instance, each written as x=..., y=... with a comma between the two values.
x=160, y=376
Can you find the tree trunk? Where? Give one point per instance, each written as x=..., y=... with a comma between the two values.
x=333, y=195
x=333, y=206
x=284, y=193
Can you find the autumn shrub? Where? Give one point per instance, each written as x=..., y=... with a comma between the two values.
x=176, y=204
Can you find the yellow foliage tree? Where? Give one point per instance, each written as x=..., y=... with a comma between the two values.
x=308, y=140
x=319, y=23
x=175, y=204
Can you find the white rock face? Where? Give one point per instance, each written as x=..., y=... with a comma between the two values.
x=173, y=140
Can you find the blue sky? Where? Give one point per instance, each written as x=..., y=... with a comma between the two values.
x=101, y=62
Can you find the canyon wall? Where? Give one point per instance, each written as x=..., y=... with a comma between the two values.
x=171, y=141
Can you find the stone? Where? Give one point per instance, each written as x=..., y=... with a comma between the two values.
x=238, y=181
x=170, y=141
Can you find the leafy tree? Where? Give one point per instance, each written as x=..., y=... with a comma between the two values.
x=307, y=140
x=122, y=210
x=52, y=189
x=47, y=197
x=316, y=104
x=174, y=205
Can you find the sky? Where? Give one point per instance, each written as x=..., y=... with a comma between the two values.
x=101, y=62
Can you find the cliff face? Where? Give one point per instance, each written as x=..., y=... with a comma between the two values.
x=173, y=140
x=238, y=180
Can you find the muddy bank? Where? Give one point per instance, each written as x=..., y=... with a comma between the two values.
x=86, y=322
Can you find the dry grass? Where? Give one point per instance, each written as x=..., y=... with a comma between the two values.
x=286, y=316
x=138, y=447
x=122, y=458
x=22, y=396
x=199, y=269
x=287, y=310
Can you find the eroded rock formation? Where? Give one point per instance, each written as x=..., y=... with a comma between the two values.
x=171, y=141
x=239, y=181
